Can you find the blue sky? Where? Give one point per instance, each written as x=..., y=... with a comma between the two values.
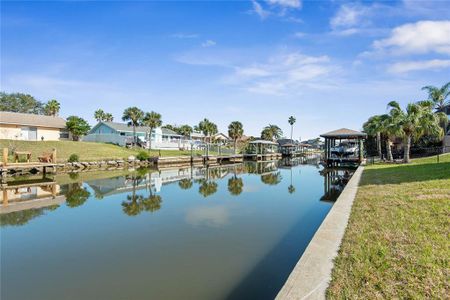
x=330, y=64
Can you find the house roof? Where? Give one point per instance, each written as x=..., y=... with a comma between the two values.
x=263, y=142
x=168, y=131
x=124, y=127
x=14, y=118
x=344, y=133
x=220, y=134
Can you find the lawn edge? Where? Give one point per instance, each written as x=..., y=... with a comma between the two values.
x=312, y=274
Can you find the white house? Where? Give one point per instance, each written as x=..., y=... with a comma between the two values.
x=32, y=127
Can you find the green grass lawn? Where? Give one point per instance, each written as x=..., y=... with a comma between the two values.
x=85, y=150
x=397, y=241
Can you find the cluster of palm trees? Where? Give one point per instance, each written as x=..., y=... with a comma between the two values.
x=272, y=132
x=52, y=107
x=102, y=116
x=418, y=119
x=137, y=117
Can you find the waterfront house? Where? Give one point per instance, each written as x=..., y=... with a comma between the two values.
x=32, y=127
x=221, y=138
x=122, y=134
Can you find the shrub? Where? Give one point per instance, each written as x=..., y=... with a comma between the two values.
x=73, y=158
x=143, y=155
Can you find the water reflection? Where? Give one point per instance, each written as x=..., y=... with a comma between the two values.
x=141, y=187
x=131, y=234
x=335, y=180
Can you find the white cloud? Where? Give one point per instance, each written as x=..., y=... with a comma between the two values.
x=408, y=66
x=299, y=35
x=286, y=3
x=349, y=15
x=185, y=35
x=417, y=38
x=281, y=74
x=259, y=10
x=208, y=43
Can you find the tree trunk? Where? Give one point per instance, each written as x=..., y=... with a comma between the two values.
x=235, y=146
x=150, y=140
x=407, y=149
x=380, y=154
x=134, y=136
x=389, y=150
x=292, y=130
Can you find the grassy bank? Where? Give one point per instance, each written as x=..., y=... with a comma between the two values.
x=85, y=150
x=397, y=242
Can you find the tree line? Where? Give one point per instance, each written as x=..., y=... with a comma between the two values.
x=134, y=116
x=418, y=119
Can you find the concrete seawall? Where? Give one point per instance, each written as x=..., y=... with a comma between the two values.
x=310, y=277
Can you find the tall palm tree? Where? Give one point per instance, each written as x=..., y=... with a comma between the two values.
x=208, y=128
x=235, y=131
x=417, y=120
x=438, y=95
x=134, y=117
x=292, y=121
x=108, y=117
x=152, y=120
x=271, y=132
x=52, y=108
x=99, y=115
x=185, y=130
x=373, y=127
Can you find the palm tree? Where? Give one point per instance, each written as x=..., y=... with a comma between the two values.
x=99, y=115
x=271, y=133
x=134, y=117
x=185, y=130
x=151, y=120
x=235, y=131
x=152, y=203
x=108, y=117
x=208, y=128
x=417, y=120
x=373, y=127
x=438, y=95
x=292, y=121
x=291, y=188
x=52, y=108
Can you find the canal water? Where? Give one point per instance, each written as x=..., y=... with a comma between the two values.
x=229, y=232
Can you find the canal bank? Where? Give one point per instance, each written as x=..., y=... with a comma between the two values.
x=310, y=277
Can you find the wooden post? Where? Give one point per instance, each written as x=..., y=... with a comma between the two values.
x=54, y=155
x=5, y=197
x=5, y=156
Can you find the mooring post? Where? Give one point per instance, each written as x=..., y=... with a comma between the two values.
x=54, y=155
x=5, y=156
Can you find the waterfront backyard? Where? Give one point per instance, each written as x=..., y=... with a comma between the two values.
x=204, y=233
x=396, y=244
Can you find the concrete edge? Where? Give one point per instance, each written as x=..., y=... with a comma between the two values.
x=311, y=276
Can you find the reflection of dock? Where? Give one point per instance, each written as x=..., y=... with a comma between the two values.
x=29, y=194
x=32, y=204
x=335, y=180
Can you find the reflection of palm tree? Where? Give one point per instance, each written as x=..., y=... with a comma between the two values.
x=185, y=184
x=235, y=185
x=272, y=178
x=152, y=203
x=291, y=188
x=77, y=195
x=132, y=206
x=207, y=188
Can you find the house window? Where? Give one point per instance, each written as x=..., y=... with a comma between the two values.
x=63, y=134
x=122, y=133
